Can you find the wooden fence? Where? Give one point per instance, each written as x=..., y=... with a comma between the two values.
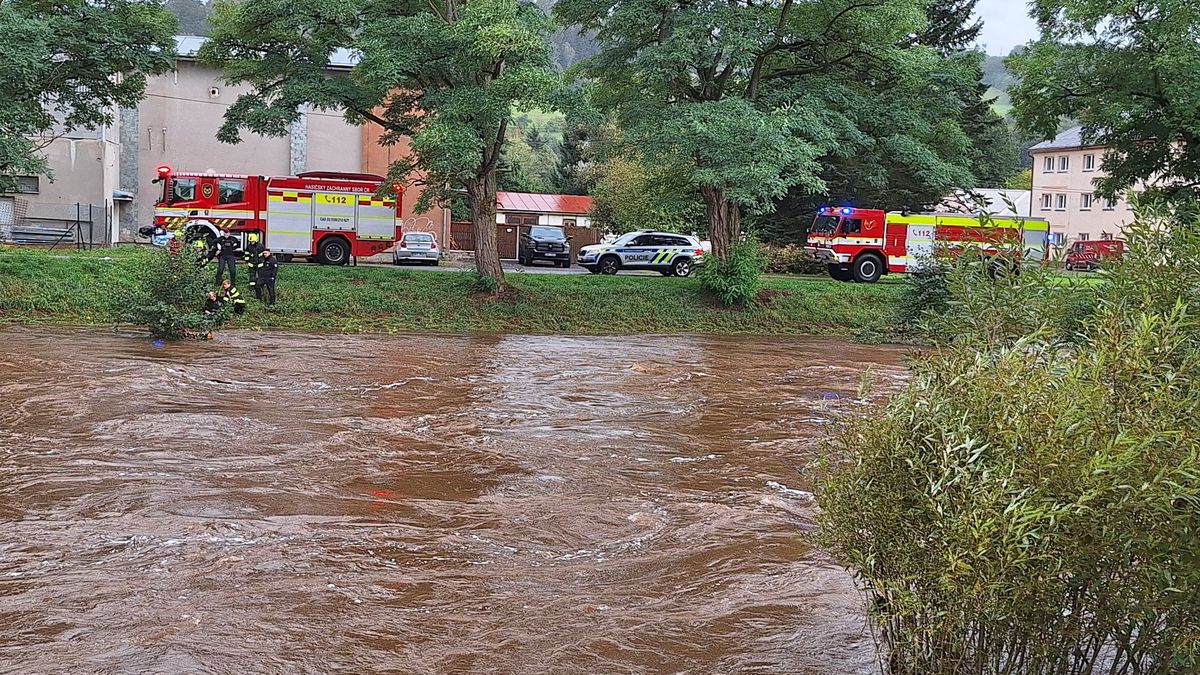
x=462, y=238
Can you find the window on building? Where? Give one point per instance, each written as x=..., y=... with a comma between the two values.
x=231, y=191
x=1060, y=202
x=1085, y=202
x=1048, y=164
x=1109, y=204
x=183, y=190
x=1089, y=162
x=28, y=185
x=1083, y=236
x=1058, y=238
x=1064, y=164
x=568, y=222
x=1047, y=201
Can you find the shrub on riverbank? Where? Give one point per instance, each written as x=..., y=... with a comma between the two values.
x=37, y=287
x=1031, y=504
x=735, y=281
x=167, y=294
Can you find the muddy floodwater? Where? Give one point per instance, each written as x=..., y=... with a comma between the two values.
x=422, y=504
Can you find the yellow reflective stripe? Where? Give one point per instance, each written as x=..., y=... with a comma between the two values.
x=297, y=232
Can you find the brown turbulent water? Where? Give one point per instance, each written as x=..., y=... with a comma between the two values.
x=421, y=504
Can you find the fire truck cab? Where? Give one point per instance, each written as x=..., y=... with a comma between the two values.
x=865, y=244
x=330, y=216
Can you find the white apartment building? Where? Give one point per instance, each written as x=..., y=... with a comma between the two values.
x=1064, y=174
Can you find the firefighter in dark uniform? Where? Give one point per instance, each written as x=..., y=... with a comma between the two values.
x=266, y=275
x=253, y=254
x=211, y=304
x=230, y=294
x=227, y=253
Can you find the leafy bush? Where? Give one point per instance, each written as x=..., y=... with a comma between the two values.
x=1031, y=504
x=791, y=259
x=736, y=280
x=167, y=295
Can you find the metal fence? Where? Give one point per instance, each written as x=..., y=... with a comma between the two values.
x=79, y=226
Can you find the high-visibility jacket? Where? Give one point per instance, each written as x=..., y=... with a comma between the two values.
x=235, y=296
x=252, y=254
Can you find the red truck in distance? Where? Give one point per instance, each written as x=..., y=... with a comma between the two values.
x=327, y=215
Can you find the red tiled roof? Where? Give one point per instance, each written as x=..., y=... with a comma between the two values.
x=578, y=205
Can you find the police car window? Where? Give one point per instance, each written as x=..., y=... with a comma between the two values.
x=644, y=240
x=852, y=226
x=231, y=191
x=677, y=241
x=183, y=189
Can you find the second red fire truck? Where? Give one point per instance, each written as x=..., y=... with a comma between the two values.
x=865, y=244
x=327, y=215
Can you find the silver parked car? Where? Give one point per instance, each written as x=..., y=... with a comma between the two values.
x=417, y=247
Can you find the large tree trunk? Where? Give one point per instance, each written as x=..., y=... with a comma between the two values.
x=481, y=195
x=724, y=221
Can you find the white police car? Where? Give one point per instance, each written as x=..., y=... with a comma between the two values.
x=665, y=252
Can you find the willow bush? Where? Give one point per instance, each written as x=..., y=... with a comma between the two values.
x=1031, y=503
x=167, y=294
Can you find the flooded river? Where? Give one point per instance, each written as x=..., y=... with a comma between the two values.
x=421, y=504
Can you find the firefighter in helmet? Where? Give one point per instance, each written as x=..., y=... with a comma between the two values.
x=227, y=255
x=231, y=295
x=253, y=255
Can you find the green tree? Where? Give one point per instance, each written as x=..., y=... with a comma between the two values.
x=448, y=74
x=1128, y=73
x=70, y=64
x=744, y=94
x=630, y=195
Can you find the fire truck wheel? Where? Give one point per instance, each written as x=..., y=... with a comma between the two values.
x=868, y=268
x=839, y=273
x=333, y=251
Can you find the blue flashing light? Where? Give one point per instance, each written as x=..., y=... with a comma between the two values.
x=847, y=211
x=823, y=209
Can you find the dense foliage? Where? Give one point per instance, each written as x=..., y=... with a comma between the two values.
x=1128, y=73
x=1031, y=504
x=447, y=74
x=167, y=294
x=735, y=280
x=69, y=64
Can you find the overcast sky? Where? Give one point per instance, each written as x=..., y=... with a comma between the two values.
x=1006, y=24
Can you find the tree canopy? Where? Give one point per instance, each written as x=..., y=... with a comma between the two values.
x=758, y=100
x=69, y=64
x=448, y=74
x=1130, y=74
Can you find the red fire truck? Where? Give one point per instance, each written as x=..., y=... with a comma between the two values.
x=864, y=244
x=329, y=215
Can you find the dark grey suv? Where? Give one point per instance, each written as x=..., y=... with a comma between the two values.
x=545, y=242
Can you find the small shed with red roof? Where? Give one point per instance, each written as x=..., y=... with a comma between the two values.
x=529, y=208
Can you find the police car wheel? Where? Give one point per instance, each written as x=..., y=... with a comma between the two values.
x=609, y=264
x=681, y=267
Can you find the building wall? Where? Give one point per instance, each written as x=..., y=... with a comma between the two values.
x=377, y=158
x=1061, y=195
x=554, y=219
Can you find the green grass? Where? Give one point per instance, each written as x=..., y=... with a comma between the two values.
x=87, y=289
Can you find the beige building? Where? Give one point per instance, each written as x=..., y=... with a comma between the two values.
x=1064, y=174
x=176, y=123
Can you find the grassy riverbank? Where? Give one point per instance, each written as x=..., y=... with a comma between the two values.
x=69, y=288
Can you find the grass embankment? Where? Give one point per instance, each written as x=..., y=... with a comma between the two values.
x=37, y=287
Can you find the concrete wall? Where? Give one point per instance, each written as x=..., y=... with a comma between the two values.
x=1061, y=195
x=377, y=158
x=85, y=169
